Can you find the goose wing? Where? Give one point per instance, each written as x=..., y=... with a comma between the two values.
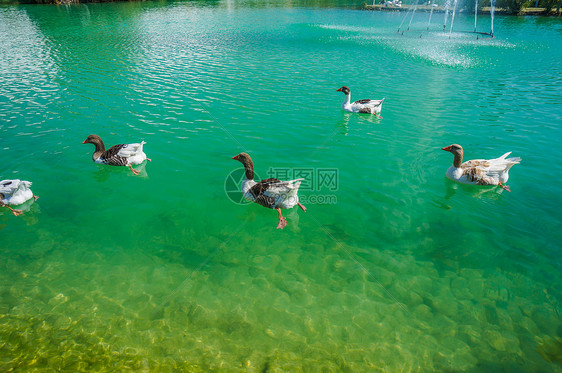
x=269, y=192
x=369, y=102
x=282, y=188
x=130, y=150
x=10, y=187
x=476, y=171
x=259, y=189
x=488, y=171
x=7, y=187
x=112, y=156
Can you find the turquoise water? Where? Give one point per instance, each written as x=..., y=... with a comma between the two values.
x=394, y=268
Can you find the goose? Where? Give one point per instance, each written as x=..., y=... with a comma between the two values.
x=480, y=171
x=362, y=106
x=271, y=193
x=118, y=155
x=15, y=192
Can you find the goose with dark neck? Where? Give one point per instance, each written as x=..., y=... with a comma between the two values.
x=480, y=171
x=271, y=193
x=366, y=106
x=118, y=155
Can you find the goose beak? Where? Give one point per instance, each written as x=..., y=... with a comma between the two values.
x=235, y=157
x=447, y=148
x=83, y=142
x=338, y=90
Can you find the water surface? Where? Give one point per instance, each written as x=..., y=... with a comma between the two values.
x=394, y=268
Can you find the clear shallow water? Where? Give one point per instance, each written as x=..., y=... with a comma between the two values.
x=403, y=271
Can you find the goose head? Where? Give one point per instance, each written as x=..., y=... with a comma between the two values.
x=344, y=89
x=92, y=139
x=456, y=149
x=246, y=160
x=96, y=140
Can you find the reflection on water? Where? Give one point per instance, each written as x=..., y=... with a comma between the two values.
x=105, y=172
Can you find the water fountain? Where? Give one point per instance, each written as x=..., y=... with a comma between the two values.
x=492, y=6
x=475, y=14
x=453, y=18
x=430, y=14
x=412, y=17
x=492, y=9
x=406, y=16
x=448, y=7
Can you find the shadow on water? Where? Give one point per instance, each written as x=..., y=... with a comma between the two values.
x=105, y=172
x=476, y=191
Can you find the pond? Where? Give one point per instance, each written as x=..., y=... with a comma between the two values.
x=392, y=267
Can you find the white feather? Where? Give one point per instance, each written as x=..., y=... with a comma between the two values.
x=490, y=171
x=15, y=191
x=246, y=186
x=285, y=193
x=133, y=153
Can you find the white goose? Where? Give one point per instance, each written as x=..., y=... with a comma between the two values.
x=271, y=193
x=15, y=192
x=362, y=106
x=118, y=155
x=480, y=171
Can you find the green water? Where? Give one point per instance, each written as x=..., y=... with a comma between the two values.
x=394, y=268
